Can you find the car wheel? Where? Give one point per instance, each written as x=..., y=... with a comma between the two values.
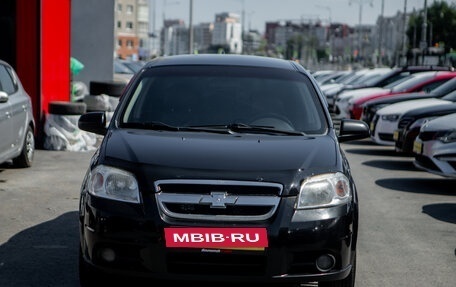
x=25, y=159
x=110, y=88
x=349, y=281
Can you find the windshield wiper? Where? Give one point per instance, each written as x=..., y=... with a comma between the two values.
x=241, y=127
x=160, y=126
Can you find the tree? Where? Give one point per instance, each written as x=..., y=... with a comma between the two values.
x=441, y=26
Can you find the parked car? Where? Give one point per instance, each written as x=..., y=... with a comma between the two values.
x=333, y=77
x=387, y=119
x=411, y=122
x=362, y=76
x=220, y=168
x=423, y=82
x=17, y=124
x=124, y=70
x=385, y=80
x=435, y=146
x=372, y=106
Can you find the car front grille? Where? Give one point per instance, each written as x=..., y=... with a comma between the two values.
x=214, y=200
x=229, y=263
x=386, y=137
x=404, y=122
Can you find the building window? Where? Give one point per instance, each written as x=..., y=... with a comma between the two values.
x=119, y=42
x=119, y=7
x=129, y=9
x=129, y=25
x=129, y=44
x=119, y=24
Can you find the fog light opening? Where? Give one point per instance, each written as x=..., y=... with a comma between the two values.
x=325, y=262
x=108, y=254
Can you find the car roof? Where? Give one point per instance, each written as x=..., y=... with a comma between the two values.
x=225, y=60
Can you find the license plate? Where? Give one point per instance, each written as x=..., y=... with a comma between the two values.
x=396, y=135
x=417, y=147
x=218, y=238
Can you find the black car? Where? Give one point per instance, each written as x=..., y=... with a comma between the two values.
x=220, y=168
x=411, y=121
x=372, y=106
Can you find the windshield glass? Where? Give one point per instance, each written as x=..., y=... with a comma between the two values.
x=412, y=81
x=209, y=96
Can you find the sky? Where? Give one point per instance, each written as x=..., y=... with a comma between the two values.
x=258, y=12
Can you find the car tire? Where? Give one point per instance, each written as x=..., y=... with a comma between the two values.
x=25, y=158
x=110, y=88
x=67, y=108
x=349, y=281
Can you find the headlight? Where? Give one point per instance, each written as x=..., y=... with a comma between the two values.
x=448, y=137
x=324, y=190
x=390, y=118
x=113, y=183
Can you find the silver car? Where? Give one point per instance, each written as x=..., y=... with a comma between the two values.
x=17, y=125
x=435, y=146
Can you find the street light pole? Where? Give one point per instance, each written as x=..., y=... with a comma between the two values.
x=190, y=32
x=380, y=36
x=360, y=3
x=404, y=33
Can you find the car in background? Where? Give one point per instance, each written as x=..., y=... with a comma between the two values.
x=372, y=106
x=220, y=168
x=410, y=124
x=124, y=70
x=17, y=124
x=332, y=77
x=435, y=146
x=423, y=82
x=362, y=76
x=394, y=75
x=387, y=120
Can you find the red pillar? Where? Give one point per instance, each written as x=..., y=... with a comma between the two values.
x=43, y=52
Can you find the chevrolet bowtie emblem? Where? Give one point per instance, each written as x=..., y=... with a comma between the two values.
x=218, y=199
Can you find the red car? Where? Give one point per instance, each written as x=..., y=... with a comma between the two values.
x=419, y=82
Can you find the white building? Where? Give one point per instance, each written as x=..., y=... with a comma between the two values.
x=228, y=32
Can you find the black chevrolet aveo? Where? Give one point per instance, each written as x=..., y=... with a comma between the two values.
x=220, y=168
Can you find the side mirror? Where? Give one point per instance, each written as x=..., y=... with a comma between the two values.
x=3, y=97
x=94, y=122
x=353, y=130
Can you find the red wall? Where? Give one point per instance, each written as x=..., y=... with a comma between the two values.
x=55, y=51
x=43, y=52
x=28, y=50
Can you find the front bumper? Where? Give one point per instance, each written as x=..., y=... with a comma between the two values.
x=435, y=157
x=296, y=240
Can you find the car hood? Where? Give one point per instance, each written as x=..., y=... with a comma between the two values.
x=441, y=123
x=362, y=92
x=402, y=107
x=245, y=156
x=395, y=98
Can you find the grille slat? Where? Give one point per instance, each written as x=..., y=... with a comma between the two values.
x=212, y=200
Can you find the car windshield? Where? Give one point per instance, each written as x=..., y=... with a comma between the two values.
x=223, y=97
x=412, y=81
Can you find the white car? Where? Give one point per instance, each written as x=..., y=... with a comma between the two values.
x=386, y=119
x=435, y=146
x=332, y=89
x=342, y=102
